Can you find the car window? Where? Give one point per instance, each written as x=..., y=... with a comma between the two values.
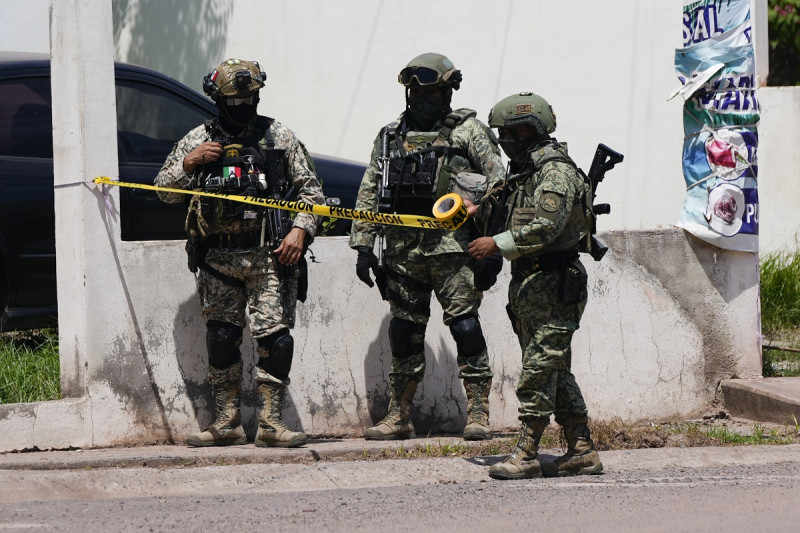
x=26, y=127
x=150, y=120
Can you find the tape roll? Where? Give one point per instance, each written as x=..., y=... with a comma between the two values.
x=447, y=206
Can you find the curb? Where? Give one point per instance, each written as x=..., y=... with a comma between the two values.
x=766, y=400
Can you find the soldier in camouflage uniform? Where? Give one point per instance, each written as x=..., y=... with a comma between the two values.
x=245, y=262
x=429, y=144
x=545, y=228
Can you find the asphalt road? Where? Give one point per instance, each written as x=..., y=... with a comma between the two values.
x=753, y=488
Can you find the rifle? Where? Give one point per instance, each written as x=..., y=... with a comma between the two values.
x=604, y=160
x=384, y=201
x=277, y=221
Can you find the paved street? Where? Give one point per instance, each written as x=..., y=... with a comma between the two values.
x=752, y=488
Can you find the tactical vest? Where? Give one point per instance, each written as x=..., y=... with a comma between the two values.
x=580, y=224
x=249, y=166
x=422, y=165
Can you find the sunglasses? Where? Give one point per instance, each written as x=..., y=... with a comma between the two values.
x=425, y=76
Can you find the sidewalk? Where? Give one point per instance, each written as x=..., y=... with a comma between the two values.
x=342, y=450
x=766, y=400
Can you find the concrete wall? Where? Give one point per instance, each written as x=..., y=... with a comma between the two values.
x=779, y=169
x=668, y=318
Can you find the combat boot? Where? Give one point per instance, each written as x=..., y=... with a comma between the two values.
x=271, y=429
x=581, y=457
x=227, y=429
x=477, y=427
x=523, y=463
x=397, y=424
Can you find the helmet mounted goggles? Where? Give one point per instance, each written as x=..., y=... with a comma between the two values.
x=423, y=75
x=430, y=69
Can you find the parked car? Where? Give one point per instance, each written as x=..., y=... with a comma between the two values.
x=153, y=112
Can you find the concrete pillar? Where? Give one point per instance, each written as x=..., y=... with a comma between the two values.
x=84, y=139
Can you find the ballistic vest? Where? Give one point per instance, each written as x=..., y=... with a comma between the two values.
x=249, y=166
x=422, y=165
x=581, y=219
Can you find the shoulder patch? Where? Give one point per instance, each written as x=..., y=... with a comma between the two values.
x=550, y=202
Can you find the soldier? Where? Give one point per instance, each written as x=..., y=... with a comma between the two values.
x=544, y=229
x=249, y=258
x=423, y=150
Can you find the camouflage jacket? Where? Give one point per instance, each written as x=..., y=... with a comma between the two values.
x=299, y=165
x=546, y=209
x=480, y=145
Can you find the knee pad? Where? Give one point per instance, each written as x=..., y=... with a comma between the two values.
x=280, y=349
x=222, y=341
x=406, y=338
x=467, y=332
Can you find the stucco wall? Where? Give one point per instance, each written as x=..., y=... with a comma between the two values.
x=668, y=318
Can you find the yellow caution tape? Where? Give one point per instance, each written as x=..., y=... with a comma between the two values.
x=450, y=217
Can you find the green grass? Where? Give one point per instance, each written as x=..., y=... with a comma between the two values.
x=780, y=313
x=780, y=291
x=759, y=436
x=29, y=366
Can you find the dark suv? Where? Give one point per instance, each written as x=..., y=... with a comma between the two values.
x=153, y=112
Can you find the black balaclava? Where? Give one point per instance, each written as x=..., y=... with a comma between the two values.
x=424, y=109
x=238, y=117
x=517, y=149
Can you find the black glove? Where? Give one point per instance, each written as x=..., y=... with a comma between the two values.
x=366, y=261
x=486, y=270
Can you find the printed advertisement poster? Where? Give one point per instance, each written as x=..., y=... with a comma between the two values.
x=720, y=122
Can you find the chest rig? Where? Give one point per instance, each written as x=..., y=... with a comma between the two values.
x=249, y=166
x=580, y=221
x=421, y=166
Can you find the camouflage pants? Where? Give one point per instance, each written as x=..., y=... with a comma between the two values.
x=269, y=301
x=449, y=276
x=545, y=327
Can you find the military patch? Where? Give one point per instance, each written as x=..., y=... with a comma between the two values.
x=232, y=150
x=523, y=109
x=550, y=202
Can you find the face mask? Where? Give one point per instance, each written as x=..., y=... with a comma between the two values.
x=515, y=151
x=238, y=115
x=425, y=109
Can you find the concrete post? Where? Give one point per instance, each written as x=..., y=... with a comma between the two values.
x=84, y=139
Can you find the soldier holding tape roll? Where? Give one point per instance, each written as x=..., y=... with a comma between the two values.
x=547, y=223
x=429, y=151
x=250, y=258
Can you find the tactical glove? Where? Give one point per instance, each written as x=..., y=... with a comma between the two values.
x=366, y=261
x=486, y=270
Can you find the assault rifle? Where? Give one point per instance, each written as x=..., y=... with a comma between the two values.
x=277, y=221
x=384, y=205
x=604, y=160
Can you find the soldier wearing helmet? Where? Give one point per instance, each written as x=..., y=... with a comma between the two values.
x=415, y=160
x=546, y=197
x=249, y=258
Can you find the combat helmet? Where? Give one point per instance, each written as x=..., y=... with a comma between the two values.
x=234, y=78
x=524, y=108
x=430, y=69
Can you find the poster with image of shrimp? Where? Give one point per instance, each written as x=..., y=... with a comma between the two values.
x=720, y=121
